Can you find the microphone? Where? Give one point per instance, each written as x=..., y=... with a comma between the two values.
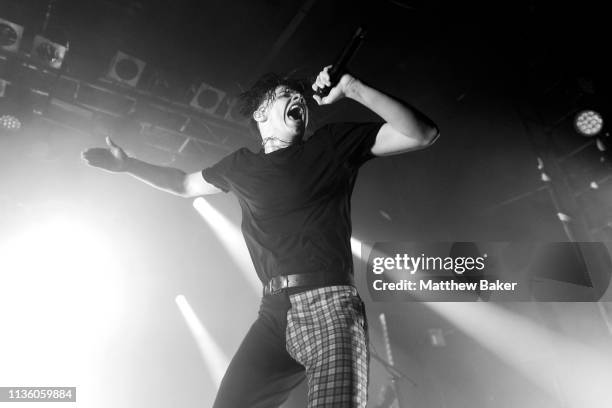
x=339, y=67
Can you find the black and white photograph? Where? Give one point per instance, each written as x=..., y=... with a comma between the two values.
x=305, y=204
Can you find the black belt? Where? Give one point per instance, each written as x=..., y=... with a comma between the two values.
x=278, y=283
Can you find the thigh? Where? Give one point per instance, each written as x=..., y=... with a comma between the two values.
x=261, y=373
x=327, y=333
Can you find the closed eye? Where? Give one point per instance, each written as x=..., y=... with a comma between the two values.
x=286, y=92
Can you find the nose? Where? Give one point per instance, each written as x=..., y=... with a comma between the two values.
x=297, y=98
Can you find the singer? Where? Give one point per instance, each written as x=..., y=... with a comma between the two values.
x=295, y=200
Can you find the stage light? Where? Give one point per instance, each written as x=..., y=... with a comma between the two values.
x=62, y=295
x=385, y=332
x=10, y=35
x=3, y=87
x=10, y=123
x=582, y=371
x=436, y=337
x=126, y=69
x=214, y=358
x=48, y=52
x=207, y=98
x=588, y=123
x=231, y=238
x=356, y=247
x=564, y=217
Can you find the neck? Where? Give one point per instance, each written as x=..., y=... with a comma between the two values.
x=271, y=144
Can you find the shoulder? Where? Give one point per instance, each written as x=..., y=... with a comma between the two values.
x=238, y=156
x=342, y=128
x=351, y=141
x=227, y=171
x=231, y=162
x=243, y=153
x=339, y=132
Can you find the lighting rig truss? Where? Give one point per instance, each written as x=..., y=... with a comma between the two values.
x=75, y=103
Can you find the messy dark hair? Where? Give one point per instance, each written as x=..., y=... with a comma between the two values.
x=263, y=90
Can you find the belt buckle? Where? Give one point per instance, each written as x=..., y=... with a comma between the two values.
x=282, y=283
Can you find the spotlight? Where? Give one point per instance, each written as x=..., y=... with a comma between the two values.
x=48, y=52
x=3, y=87
x=588, y=123
x=10, y=123
x=10, y=35
x=436, y=337
x=229, y=235
x=207, y=98
x=126, y=69
x=212, y=353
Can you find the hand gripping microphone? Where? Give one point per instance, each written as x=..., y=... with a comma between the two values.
x=339, y=67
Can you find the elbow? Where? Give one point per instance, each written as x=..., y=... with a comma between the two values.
x=178, y=191
x=183, y=189
x=430, y=136
x=181, y=186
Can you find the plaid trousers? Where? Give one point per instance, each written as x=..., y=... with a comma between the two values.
x=321, y=333
x=327, y=334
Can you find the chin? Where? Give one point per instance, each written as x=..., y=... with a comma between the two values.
x=293, y=134
x=299, y=136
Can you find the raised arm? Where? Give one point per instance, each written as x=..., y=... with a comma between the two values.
x=405, y=129
x=168, y=179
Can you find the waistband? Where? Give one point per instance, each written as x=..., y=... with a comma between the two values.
x=279, y=283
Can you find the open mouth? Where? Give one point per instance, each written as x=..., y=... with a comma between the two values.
x=296, y=112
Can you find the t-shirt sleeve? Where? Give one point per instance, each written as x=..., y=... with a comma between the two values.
x=221, y=173
x=353, y=142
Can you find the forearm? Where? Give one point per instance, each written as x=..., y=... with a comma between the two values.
x=167, y=179
x=403, y=118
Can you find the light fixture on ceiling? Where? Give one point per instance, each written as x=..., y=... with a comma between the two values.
x=49, y=52
x=10, y=123
x=588, y=123
x=126, y=69
x=10, y=35
x=207, y=98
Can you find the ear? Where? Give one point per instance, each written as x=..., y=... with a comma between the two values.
x=260, y=114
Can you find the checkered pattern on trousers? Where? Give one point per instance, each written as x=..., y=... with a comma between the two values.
x=327, y=333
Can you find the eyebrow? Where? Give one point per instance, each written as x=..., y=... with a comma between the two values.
x=286, y=90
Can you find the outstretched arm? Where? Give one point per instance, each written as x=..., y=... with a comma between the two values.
x=168, y=179
x=405, y=129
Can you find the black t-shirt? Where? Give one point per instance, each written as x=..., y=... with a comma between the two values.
x=296, y=201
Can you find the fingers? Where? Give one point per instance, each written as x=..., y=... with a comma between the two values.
x=94, y=156
x=318, y=83
x=323, y=79
x=110, y=142
x=115, y=150
x=94, y=152
x=322, y=100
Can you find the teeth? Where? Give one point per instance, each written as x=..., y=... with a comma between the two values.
x=295, y=112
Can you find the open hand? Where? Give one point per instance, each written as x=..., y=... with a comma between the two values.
x=113, y=158
x=337, y=92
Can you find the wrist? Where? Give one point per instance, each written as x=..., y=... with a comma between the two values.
x=353, y=88
x=128, y=164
